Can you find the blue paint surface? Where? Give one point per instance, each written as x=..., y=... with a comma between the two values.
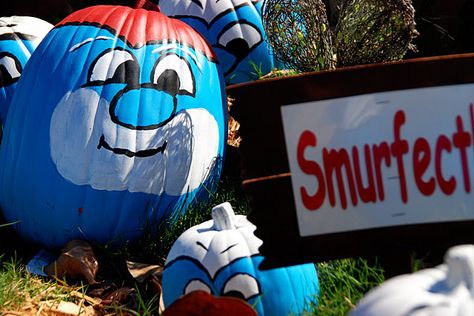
x=101, y=153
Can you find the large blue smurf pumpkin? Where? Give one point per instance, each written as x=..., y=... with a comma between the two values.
x=235, y=30
x=119, y=123
x=221, y=257
x=19, y=36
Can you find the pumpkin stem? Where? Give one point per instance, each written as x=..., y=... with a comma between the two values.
x=147, y=5
x=460, y=261
x=223, y=216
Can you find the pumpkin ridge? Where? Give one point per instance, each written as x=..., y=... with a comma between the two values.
x=212, y=58
x=57, y=182
x=154, y=34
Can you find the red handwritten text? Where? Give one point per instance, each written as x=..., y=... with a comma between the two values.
x=341, y=168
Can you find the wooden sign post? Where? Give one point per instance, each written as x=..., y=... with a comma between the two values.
x=367, y=160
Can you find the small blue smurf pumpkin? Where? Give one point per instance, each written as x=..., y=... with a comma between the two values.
x=19, y=36
x=235, y=30
x=221, y=257
x=120, y=122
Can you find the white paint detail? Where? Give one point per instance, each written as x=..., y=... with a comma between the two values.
x=243, y=283
x=243, y=31
x=89, y=40
x=197, y=285
x=173, y=46
x=105, y=67
x=81, y=117
x=27, y=25
x=10, y=66
x=182, y=69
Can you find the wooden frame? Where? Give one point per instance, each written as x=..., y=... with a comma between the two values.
x=267, y=182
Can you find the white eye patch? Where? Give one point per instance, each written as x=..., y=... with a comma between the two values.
x=245, y=31
x=9, y=68
x=80, y=120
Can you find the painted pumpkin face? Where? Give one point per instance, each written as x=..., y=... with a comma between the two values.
x=221, y=257
x=19, y=36
x=125, y=127
x=235, y=31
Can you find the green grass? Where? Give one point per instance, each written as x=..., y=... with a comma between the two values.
x=22, y=292
x=343, y=282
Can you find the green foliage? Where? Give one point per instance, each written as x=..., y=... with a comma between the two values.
x=344, y=282
x=372, y=31
x=147, y=305
x=298, y=32
x=257, y=69
x=364, y=31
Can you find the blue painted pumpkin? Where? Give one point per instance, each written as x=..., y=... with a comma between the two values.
x=119, y=123
x=221, y=257
x=19, y=36
x=235, y=30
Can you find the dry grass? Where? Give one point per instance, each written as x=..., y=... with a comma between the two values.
x=25, y=294
x=233, y=128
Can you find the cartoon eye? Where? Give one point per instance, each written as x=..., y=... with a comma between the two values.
x=114, y=66
x=241, y=285
x=240, y=39
x=173, y=74
x=197, y=285
x=10, y=69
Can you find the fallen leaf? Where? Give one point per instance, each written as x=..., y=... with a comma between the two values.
x=67, y=308
x=77, y=261
x=142, y=271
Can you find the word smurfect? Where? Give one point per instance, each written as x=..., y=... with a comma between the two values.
x=342, y=167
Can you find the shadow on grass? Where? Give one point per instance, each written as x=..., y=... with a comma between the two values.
x=12, y=245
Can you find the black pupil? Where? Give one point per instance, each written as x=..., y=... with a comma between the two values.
x=235, y=294
x=127, y=72
x=238, y=47
x=169, y=82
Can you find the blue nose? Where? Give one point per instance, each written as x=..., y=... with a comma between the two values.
x=142, y=108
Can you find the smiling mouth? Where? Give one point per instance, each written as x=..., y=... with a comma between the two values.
x=129, y=153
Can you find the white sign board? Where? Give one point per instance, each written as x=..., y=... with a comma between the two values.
x=383, y=159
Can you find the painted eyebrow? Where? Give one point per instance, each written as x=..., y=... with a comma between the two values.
x=228, y=248
x=98, y=38
x=199, y=3
x=170, y=47
x=200, y=244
